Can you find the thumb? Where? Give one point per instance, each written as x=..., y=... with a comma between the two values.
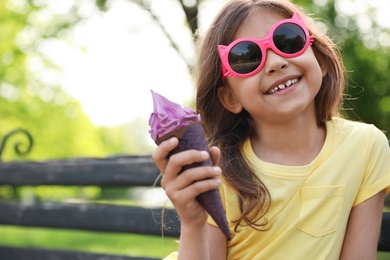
x=215, y=153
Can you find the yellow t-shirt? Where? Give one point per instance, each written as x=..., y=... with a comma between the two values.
x=310, y=204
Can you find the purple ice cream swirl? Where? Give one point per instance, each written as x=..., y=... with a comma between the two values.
x=169, y=116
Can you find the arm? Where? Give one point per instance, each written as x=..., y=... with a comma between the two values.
x=205, y=242
x=361, y=239
x=217, y=242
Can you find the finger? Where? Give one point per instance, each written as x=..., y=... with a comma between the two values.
x=192, y=175
x=178, y=160
x=190, y=192
x=215, y=154
x=160, y=155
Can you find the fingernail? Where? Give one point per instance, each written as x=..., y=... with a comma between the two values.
x=204, y=154
x=217, y=170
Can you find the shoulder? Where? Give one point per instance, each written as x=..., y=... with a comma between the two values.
x=342, y=124
x=348, y=130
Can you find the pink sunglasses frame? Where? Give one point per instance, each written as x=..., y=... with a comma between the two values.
x=264, y=44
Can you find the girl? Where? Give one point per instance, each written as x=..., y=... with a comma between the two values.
x=298, y=181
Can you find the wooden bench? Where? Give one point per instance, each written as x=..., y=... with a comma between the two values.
x=124, y=171
x=127, y=171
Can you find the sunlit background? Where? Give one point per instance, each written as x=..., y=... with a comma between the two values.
x=81, y=71
x=110, y=60
x=77, y=74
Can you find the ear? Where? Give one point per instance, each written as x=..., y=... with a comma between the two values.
x=229, y=100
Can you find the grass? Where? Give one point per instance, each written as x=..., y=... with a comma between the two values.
x=383, y=256
x=98, y=242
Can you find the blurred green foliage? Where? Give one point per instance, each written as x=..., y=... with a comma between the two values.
x=59, y=127
x=366, y=54
x=30, y=99
x=62, y=130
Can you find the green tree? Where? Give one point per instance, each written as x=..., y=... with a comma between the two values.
x=365, y=50
x=31, y=97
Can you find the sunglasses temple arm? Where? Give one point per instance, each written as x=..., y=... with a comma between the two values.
x=222, y=53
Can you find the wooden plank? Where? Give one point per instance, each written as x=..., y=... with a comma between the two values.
x=384, y=240
x=110, y=172
x=16, y=253
x=93, y=217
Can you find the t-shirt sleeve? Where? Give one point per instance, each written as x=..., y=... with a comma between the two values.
x=377, y=173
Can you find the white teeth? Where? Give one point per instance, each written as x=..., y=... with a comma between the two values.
x=283, y=86
x=274, y=90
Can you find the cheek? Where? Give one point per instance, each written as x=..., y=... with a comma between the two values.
x=322, y=62
x=320, y=71
x=323, y=70
x=247, y=83
x=245, y=90
x=241, y=87
x=317, y=79
x=314, y=69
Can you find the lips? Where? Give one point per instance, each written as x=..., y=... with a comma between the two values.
x=282, y=86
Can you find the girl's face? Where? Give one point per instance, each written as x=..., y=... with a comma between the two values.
x=284, y=89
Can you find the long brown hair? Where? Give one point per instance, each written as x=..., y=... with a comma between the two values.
x=229, y=131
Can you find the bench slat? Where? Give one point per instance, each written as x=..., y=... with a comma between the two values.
x=93, y=217
x=16, y=253
x=105, y=172
x=384, y=240
x=121, y=171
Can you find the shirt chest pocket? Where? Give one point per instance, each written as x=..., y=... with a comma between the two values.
x=321, y=208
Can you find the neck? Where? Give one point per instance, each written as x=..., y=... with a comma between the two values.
x=294, y=143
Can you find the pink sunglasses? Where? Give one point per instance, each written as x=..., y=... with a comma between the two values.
x=245, y=57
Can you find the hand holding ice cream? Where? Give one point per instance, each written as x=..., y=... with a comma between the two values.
x=170, y=119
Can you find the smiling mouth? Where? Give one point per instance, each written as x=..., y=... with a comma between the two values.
x=288, y=83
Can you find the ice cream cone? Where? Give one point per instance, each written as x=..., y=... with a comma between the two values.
x=191, y=136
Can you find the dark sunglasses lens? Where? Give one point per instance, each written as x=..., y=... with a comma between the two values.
x=245, y=57
x=289, y=38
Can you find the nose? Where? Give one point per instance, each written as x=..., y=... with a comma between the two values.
x=274, y=62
